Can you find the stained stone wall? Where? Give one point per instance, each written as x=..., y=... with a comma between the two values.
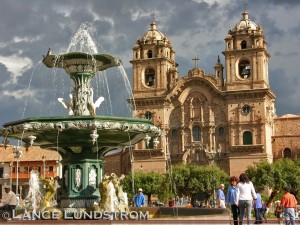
x=286, y=137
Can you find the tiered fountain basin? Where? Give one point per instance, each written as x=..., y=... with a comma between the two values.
x=81, y=141
x=76, y=133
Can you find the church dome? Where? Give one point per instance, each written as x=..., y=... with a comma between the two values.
x=153, y=34
x=245, y=24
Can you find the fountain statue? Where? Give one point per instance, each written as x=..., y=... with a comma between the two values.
x=81, y=137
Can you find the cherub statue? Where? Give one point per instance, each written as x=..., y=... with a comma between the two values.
x=92, y=106
x=67, y=105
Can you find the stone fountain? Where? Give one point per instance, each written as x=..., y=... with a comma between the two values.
x=82, y=137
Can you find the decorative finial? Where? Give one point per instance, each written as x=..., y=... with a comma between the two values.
x=218, y=59
x=153, y=23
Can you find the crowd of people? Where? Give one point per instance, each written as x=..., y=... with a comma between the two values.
x=241, y=197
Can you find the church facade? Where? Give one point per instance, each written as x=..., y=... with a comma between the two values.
x=226, y=118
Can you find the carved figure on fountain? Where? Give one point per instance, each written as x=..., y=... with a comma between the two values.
x=113, y=199
x=49, y=196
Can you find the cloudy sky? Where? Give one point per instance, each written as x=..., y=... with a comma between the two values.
x=196, y=27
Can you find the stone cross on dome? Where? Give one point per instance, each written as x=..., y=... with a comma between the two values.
x=196, y=59
x=153, y=16
x=246, y=4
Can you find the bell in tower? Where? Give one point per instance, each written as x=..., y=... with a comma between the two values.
x=245, y=72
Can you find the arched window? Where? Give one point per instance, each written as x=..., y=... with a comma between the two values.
x=221, y=131
x=247, y=138
x=174, y=134
x=149, y=54
x=243, y=44
x=148, y=115
x=287, y=153
x=244, y=69
x=228, y=45
x=150, y=77
x=136, y=55
x=196, y=133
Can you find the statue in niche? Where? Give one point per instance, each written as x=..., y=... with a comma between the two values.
x=92, y=176
x=77, y=178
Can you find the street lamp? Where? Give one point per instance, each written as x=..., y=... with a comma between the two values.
x=211, y=154
x=10, y=177
x=214, y=188
x=18, y=153
x=44, y=165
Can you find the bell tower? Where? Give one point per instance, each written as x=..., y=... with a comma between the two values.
x=153, y=64
x=250, y=100
x=246, y=56
x=154, y=73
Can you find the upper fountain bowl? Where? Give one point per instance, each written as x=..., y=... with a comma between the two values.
x=79, y=62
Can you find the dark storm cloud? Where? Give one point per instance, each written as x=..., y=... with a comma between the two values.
x=29, y=27
x=283, y=103
x=286, y=3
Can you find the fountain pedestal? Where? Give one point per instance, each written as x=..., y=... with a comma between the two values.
x=81, y=176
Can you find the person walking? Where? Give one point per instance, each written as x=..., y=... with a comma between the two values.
x=245, y=195
x=221, y=197
x=264, y=211
x=231, y=199
x=289, y=204
x=257, y=206
x=139, y=199
x=177, y=200
x=181, y=201
x=10, y=201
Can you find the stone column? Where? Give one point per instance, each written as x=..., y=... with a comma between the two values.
x=182, y=139
x=201, y=113
x=254, y=136
x=210, y=140
x=240, y=135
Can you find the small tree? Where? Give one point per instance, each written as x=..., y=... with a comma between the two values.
x=278, y=175
x=194, y=180
x=150, y=182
